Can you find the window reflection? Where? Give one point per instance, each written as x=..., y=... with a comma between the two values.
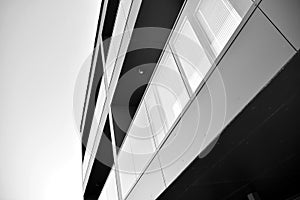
x=142, y=142
x=126, y=167
x=155, y=116
x=192, y=57
x=169, y=90
x=165, y=100
x=219, y=20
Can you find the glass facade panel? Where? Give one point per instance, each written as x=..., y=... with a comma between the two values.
x=193, y=58
x=169, y=89
x=219, y=19
x=179, y=73
x=126, y=167
x=142, y=142
x=155, y=117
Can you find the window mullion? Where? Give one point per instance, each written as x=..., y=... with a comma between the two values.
x=181, y=71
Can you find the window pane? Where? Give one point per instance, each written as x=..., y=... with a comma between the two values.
x=126, y=168
x=191, y=55
x=169, y=89
x=154, y=110
x=219, y=20
x=142, y=142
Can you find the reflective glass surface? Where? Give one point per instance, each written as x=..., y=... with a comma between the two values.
x=191, y=55
x=142, y=142
x=169, y=89
x=155, y=111
x=126, y=167
x=219, y=19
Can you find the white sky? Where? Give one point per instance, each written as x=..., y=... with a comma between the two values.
x=42, y=47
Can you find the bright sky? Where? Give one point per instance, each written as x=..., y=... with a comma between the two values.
x=42, y=47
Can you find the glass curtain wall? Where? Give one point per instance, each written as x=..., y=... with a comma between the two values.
x=197, y=41
x=187, y=59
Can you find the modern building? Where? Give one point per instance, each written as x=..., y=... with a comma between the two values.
x=193, y=99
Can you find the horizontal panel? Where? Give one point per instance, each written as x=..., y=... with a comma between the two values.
x=244, y=70
x=256, y=55
x=185, y=141
x=285, y=15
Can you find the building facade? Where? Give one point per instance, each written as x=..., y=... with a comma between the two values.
x=182, y=101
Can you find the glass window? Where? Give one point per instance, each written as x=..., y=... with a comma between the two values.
x=154, y=111
x=126, y=168
x=191, y=54
x=219, y=20
x=142, y=142
x=169, y=89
